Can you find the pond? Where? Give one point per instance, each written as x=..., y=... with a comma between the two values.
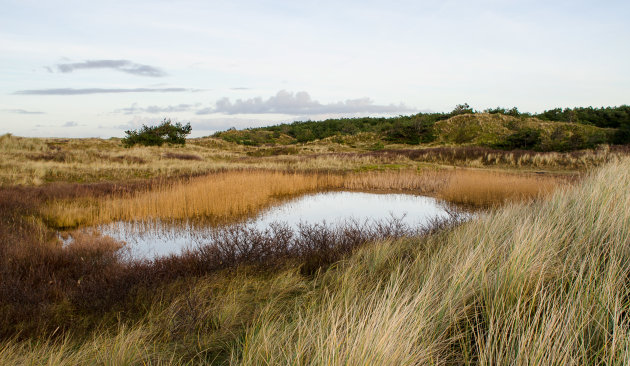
x=154, y=239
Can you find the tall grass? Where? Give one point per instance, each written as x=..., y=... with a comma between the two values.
x=229, y=196
x=476, y=156
x=217, y=198
x=487, y=188
x=538, y=283
x=423, y=182
x=545, y=283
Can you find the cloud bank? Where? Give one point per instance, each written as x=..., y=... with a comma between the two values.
x=22, y=111
x=72, y=91
x=125, y=66
x=134, y=109
x=285, y=102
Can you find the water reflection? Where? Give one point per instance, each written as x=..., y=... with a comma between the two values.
x=151, y=239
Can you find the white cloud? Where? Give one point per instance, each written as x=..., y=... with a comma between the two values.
x=73, y=91
x=22, y=111
x=154, y=109
x=125, y=66
x=285, y=102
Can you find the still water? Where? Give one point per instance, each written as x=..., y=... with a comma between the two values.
x=149, y=240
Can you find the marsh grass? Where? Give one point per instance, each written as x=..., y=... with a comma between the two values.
x=228, y=197
x=492, y=189
x=216, y=198
x=539, y=283
x=428, y=181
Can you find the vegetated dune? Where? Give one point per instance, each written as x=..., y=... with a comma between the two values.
x=538, y=283
x=480, y=129
x=495, y=129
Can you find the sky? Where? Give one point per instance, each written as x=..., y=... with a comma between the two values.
x=97, y=68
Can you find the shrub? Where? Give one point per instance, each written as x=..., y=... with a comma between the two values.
x=622, y=135
x=524, y=138
x=158, y=135
x=462, y=109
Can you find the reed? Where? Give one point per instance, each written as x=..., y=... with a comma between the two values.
x=419, y=182
x=230, y=196
x=221, y=197
x=491, y=189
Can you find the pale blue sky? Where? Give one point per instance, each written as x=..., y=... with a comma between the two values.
x=96, y=68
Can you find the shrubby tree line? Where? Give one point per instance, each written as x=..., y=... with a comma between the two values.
x=605, y=117
x=419, y=128
x=413, y=130
x=165, y=132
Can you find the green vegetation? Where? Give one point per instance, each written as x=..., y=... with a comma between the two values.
x=404, y=129
x=166, y=132
x=507, y=132
x=527, y=131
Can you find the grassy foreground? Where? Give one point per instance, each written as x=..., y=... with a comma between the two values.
x=540, y=283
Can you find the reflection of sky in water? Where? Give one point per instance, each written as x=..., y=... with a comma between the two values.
x=155, y=239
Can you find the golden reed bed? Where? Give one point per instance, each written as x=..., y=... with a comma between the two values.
x=228, y=196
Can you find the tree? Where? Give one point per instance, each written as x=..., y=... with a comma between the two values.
x=166, y=132
x=462, y=109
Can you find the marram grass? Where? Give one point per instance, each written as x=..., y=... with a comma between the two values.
x=545, y=283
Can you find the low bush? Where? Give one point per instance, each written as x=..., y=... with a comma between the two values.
x=166, y=132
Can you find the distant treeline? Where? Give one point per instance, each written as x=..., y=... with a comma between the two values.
x=606, y=117
x=419, y=128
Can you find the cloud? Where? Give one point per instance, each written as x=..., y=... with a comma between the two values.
x=72, y=91
x=208, y=110
x=222, y=124
x=285, y=102
x=134, y=109
x=118, y=65
x=67, y=124
x=22, y=111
